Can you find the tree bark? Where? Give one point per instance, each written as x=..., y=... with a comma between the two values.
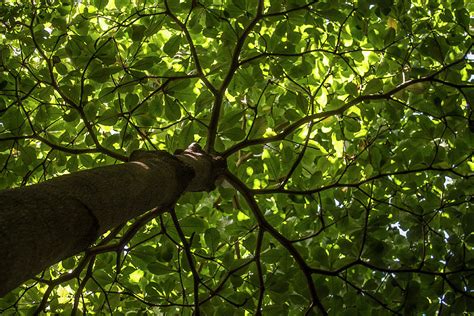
x=44, y=223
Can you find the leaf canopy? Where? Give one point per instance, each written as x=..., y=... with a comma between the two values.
x=347, y=126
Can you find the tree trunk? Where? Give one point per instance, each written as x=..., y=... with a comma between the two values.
x=44, y=223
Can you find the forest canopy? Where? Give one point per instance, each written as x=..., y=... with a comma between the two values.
x=347, y=129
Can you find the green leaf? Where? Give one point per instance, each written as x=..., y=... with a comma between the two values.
x=259, y=127
x=159, y=268
x=119, y=4
x=203, y=101
x=151, y=290
x=12, y=119
x=302, y=70
x=106, y=51
x=146, y=63
x=131, y=101
x=333, y=15
x=467, y=221
x=155, y=106
x=100, y=74
x=145, y=119
x=138, y=31
x=351, y=88
x=390, y=36
x=166, y=252
x=3, y=84
x=352, y=125
x=87, y=161
x=212, y=238
x=69, y=263
x=234, y=134
x=462, y=16
x=100, y=4
x=172, y=109
x=374, y=86
x=302, y=102
x=292, y=115
x=278, y=285
x=192, y=224
x=434, y=48
x=109, y=117
x=90, y=110
x=172, y=45
x=28, y=155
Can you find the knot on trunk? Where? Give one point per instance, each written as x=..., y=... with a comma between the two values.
x=207, y=167
x=201, y=168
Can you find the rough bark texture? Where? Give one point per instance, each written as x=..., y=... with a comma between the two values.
x=47, y=222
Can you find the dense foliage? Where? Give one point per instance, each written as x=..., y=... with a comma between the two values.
x=346, y=126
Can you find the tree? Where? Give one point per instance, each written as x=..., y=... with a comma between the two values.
x=340, y=134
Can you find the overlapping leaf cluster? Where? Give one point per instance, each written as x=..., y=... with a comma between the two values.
x=347, y=126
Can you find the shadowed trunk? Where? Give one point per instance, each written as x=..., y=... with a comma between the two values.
x=44, y=223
